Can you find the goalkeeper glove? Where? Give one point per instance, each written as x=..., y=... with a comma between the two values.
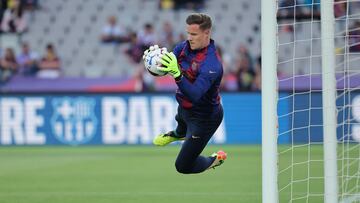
x=171, y=66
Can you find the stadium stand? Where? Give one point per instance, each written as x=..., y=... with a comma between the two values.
x=75, y=27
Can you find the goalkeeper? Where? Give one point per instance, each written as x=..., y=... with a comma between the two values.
x=197, y=70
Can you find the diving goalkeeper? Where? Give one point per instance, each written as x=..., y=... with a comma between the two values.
x=196, y=67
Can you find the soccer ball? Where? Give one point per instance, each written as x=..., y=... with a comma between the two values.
x=151, y=62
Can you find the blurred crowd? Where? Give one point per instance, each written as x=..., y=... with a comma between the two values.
x=29, y=63
x=295, y=10
x=311, y=8
x=241, y=73
x=12, y=15
x=299, y=9
x=26, y=62
x=242, y=70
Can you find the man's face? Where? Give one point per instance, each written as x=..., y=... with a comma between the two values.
x=197, y=38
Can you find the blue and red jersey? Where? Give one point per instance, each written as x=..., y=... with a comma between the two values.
x=202, y=71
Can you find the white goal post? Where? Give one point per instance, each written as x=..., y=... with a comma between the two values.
x=316, y=156
x=269, y=101
x=329, y=100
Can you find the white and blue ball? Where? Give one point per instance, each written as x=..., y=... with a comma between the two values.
x=151, y=61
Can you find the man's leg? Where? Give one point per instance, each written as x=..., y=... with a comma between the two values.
x=175, y=135
x=181, y=128
x=189, y=159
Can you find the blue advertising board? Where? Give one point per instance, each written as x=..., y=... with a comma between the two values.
x=112, y=119
x=303, y=115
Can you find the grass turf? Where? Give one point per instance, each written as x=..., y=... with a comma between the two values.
x=124, y=174
x=147, y=174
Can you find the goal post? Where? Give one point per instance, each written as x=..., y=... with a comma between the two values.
x=329, y=100
x=319, y=168
x=269, y=101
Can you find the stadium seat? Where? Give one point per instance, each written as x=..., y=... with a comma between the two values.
x=74, y=26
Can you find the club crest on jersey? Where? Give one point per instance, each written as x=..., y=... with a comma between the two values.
x=73, y=121
x=194, y=66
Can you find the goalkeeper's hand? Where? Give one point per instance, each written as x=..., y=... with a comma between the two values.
x=169, y=61
x=150, y=49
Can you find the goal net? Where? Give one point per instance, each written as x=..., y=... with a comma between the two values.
x=301, y=169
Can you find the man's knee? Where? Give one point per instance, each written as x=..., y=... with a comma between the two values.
x=182, y=167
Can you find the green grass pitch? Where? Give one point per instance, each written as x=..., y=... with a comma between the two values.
x=133, y=174
x=124, y=174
